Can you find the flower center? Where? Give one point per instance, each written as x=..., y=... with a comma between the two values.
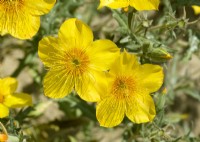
x=1, y=99
x=77, y=61
x=123, y=86
x=10, y=5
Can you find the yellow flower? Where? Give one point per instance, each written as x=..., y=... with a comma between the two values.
x=9, y=99
x=21, y=18
x=126, y=91
x=74, y=60
x=137, y=4
x=196, y=9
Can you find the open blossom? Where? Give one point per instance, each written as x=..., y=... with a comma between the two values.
x=75, y=61
x=125, y=91
x=9, y=99
x=21, y=18
x=137, y=4
x=196, y=9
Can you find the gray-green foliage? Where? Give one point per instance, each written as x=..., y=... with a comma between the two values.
x=155, y=37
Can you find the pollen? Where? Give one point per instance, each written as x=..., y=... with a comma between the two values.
x=77, y=61
x=123, y=86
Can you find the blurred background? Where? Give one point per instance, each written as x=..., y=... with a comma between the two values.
x=173, y=31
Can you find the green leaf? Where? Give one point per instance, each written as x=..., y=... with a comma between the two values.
x=193, y=93
x=194, y=45
x=175, y=117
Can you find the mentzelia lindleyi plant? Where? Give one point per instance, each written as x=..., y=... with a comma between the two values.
x=9, y=99
x=21, y=18
x=97, y=72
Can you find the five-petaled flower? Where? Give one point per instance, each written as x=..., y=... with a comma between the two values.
x=9, y=99
x=137, y=4
x=21, y=18
x=75, y=62
x=125, y=90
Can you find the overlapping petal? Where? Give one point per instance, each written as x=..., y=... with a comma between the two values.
x=8, y=86
x=110, y=111
x=121, y=66
x=86, y=87
x=17, y=100
x=75, y=33
x=102, y=54
x=4, y=111
x=100, y=85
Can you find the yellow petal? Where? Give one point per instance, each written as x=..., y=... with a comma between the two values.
x=110, y=111
x=74, y=33
x=101, y=84
x=124, y=64
x=150, y=77
x=4, y=111
x=8, y=86
x=17, y=100
x=102, y=54
x=196, y=9
x=140, y=108
x=39, y=7
x=19, y=24
x=47, y=51
x=114, y=3
x=57, y=84
x=145, y=4
x=91, y=86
